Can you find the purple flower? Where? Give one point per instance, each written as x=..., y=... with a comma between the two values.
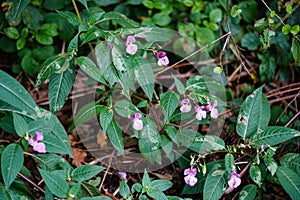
x=137, y=122
x=110, y=46
x=185, y=106
x=131, y=49
x=235, y=180
x=123, y=175
x=35, y=142
x=163, y=60
x=201, y=114
x=190, y=176
x=212, y=108
x=130, y=39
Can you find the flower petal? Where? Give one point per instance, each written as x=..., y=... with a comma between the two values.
x=38, y=136
x=131, y=49
x=130, y=39
x=185, y=108
x=39, y=147
x=190, y=180
x=138, y=124
x=214, y=113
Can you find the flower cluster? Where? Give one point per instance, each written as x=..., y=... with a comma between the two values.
x=36, y=142
x=235, y=180
x=137, y=122
x=185, y=107
x=163, y=60
x=130, y=47
x=190, y=176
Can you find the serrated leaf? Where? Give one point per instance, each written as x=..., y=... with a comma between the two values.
x=248, y=192
x=90, y=68
x=146, y=179
x=144, y=75
x=215, y=182
x=295, y=49
x=54, y=144
x=151, y=34
x=161, y=185
x=203, y=144
x=56, y=184
x=85, y=172
x=20, y=125
x=41, y=125
x=290, y=181
x=14, y=14
x=125, y=108
x=49, y=162
x=50, y=66
x=106, y=116
x=273, y=135
x=92, y=34
x=114, y=133
x=119, y=19
x=60, y=86
x=12, y=159
x=249, y=115
x=149, y=143
x=156, y=194
x=291, y=161
x=84, y=2
x=124, y=189
x=69, y=16
x=13, y=93
x=169, y=102
x=92, y=191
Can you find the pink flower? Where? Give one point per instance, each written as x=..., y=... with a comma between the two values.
x=235, y=180
x=212, y=108
x=130, y=39
x=137, y=122
x=201, y=114
x=190, y=176
x=163, y=60
x=131, y=49
x=123, y=175
x=185, y=106
x=35, y=142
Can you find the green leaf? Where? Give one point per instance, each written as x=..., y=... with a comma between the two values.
x=56, y=184
x=54, y=4
x=151, y=34
x=249, y=10
x=21, y=43
x=60, y=86
x=20, y=125
x=267, y=67
x=51, y=66
x=255, y=174
x=89, y=67
x=144, y=75
x=125, y=108
x=13, y=93
x=92, y=34
x=55, y=144
x=14, y=15
x=291, y=161
x=286, y=29
x=69, y=16
x=289, y=8
x=179, y=85
x=146, y=179
x=162, y=19
x=296, y=51
x=248, y=192
x=156, y=194
x=124, y=189
x=91, y=190
x=249, y=115
x=44, y=39
x=235, y=11
x=12, y=159
x=106, y=116
x=42, y=125
x=271, y=164
x=204, y=36
x=260, y=25
x=295, y=29
x=96, y=198
x=12, y=33
x=273, y=135
x=290, y=181
x=86, y=172
x=86, y=113
x=149, y=143
x=215, y=183
x=172, y=133
x=250, y=41
x=169, y=102
x=161, y=185
x=114, y=133
x=229, y=162
x=84, y=3
x=119, y=19
x=203, y=144
x=215, y=15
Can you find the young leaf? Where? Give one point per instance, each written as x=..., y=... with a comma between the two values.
x=56, y=184
x=12, y=159
x=85, y=172
x=248, y=192
x=291, y=161
x=249, y=116
x=60, y=86
x=290, y=181
x=20, y=125
x=169, y=102
x=144, y=75
x=89, y=67
x=273, y=135
x=13, y=93
x=106, y=116
x=124, y=189
x=146, y=179
x=114, y=133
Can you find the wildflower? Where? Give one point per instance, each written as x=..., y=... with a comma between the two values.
x=130, y=39
x=123, y=175
x=190, y=176
x=137, y=122
x=185, y=106
x=201, y=114
x=235, y=180
x=212, y=108
x=36, y=142
x=130, y=47
x=163, y=60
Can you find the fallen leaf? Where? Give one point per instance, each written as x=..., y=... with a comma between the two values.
x=79, y=156
x=101, y=139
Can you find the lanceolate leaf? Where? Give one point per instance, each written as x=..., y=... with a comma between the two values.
x=89, y=67
x=16, y=10
x=144, y=75
x=265, y=113
x=60, y=86
x=248, y=192
x=120, y=19
x=208, y=143
x=125, y=109
x=85, y=172
x=13, y=93
x=290, y=181
x=273, y=135
x=115, y=136
x=151, y=34
x=249, y=116
x=169, y=102
x=106, y=116
x=20, y=125
x=50, y=66
x=292, y=161
x=296, y=51
x=11, y=163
